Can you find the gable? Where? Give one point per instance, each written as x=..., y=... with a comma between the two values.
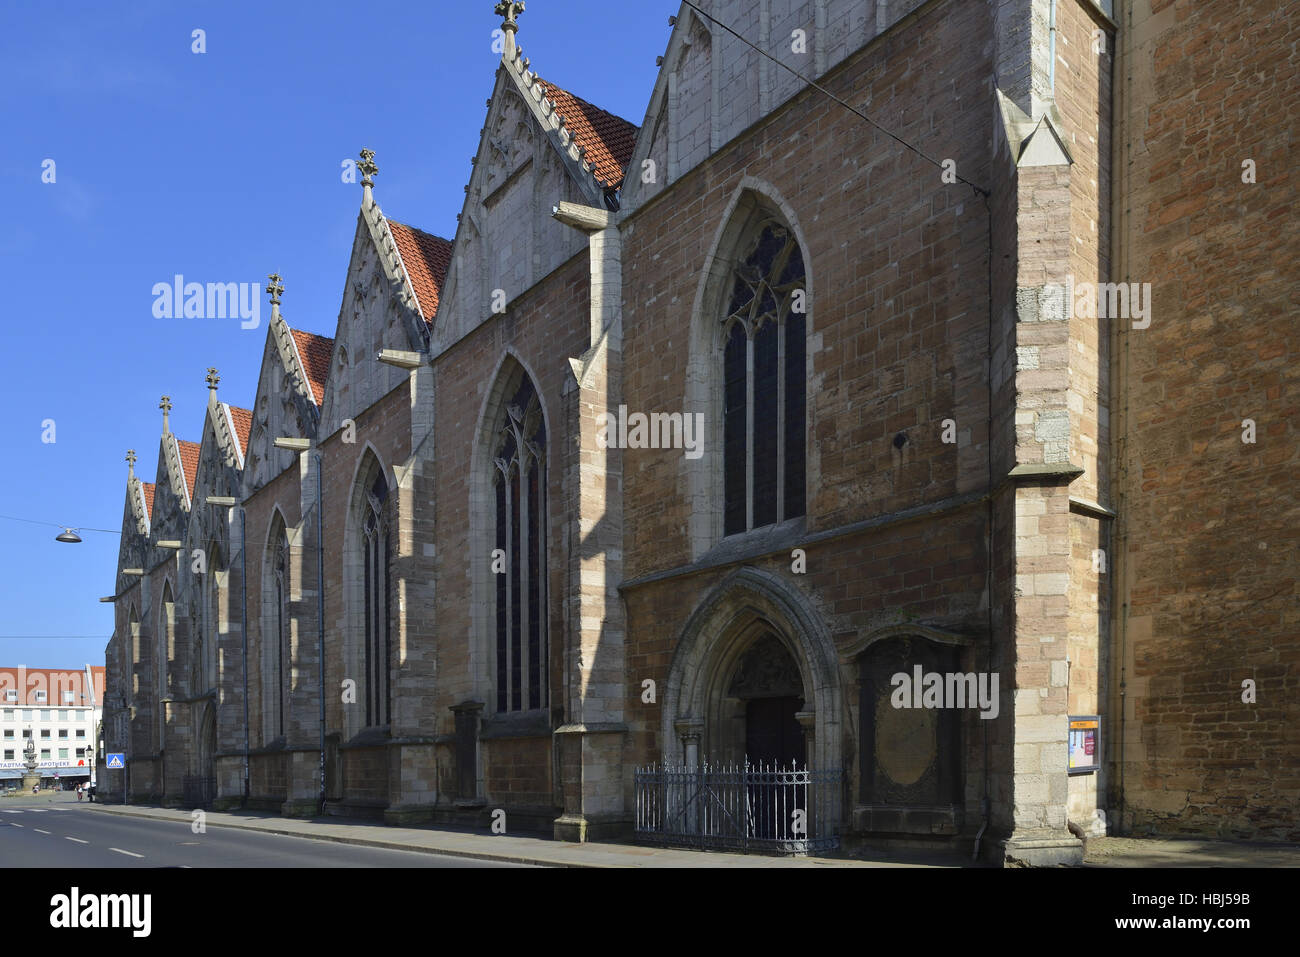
x=132, y=547
x=713, y=86
x=380, y=310
x=292, y=372
x=178, y=462
x=540, y=146
x=216, y=474
x=218, y=463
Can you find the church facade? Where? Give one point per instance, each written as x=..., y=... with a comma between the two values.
x=776, y=432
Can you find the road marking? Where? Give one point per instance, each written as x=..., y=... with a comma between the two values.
x=77, y=839
x=187, y=867
x=7, y=811
x=15, y=825
x=127, y=853
x=38, y=810
x=39, y=831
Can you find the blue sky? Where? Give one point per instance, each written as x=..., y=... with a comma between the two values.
x=221, y=166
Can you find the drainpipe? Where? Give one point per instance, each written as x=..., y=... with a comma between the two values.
x=1051, y=31
x=989, y=512
x=243, y=631
x=320, y=619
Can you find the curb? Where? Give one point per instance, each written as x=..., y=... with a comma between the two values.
x=370, y=842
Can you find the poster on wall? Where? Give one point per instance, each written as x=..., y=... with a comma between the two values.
x=1085, y=743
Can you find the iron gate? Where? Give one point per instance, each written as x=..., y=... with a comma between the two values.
x=751, y=808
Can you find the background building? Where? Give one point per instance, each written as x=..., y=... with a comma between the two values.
x=60, y=712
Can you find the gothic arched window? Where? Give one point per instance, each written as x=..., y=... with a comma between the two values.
x=207, y=631
x=131, y=657
x=165, y=648
x=764, y=384
x=376, y=545
x=276, y=642
x=519, y=488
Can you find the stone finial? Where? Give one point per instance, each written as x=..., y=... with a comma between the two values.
x=130, y=463
x=368, y=168
x=212, y=379
x=166, y=405
x=510, y=11
x=274, y=288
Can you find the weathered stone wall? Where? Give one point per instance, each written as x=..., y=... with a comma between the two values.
x=540, y=331
x=897, y=343
x=897, y=320
x=1209, y=524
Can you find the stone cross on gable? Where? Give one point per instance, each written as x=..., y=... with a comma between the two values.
x=368, y=167
x=130, y=461
x=166, y=406
x=212, y=378
x=274, y=288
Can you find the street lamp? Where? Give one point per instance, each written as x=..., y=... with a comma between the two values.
x=68, y=535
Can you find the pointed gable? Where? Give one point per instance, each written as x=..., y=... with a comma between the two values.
x=540, y=145
x=219, y=473
x=426, y=258
x=381, y=309
x=291, y=387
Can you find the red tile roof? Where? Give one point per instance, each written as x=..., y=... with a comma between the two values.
x=315, y=352
x=148, y=498
x=427, y=258
x=243, y=420
x=608, y=139
x=190, y=463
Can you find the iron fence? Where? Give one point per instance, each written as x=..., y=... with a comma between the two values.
x=749, y=808
x=199, y=790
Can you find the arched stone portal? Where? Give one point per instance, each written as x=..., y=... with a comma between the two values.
x=754, y=673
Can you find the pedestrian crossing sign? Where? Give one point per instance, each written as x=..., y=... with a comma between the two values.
x=116, y=761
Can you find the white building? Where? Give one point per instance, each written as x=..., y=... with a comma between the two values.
x=60, y=712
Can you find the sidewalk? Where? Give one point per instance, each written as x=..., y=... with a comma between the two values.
x=503, y=848
x=1164, y=852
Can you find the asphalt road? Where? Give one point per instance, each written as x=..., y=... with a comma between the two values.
x=56, y=831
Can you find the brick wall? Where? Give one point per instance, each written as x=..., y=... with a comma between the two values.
x=898, y=320
x=541, y=330
x=1210, y=525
